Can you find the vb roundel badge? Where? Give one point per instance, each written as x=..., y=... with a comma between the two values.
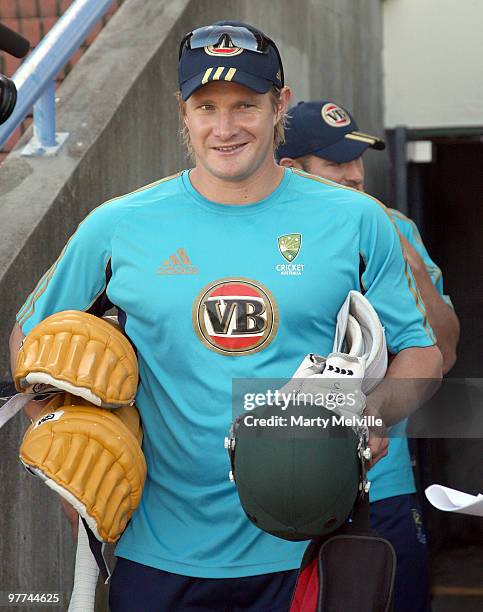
x=235, y=316
x=334, y=115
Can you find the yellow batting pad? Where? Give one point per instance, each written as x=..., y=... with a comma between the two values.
x=90, y=456
x=82, y=354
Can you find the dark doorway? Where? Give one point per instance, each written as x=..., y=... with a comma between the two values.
x=445, y=199
x=451, y=191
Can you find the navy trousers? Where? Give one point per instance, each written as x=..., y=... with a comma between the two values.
x=139, y=588
x=398, y=519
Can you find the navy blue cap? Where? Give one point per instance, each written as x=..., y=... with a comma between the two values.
x=257, y=71
x=327, y=130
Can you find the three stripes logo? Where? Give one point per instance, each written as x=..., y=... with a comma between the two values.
x=178, y=263
x=222, y=73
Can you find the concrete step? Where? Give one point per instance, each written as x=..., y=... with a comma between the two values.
x=457, y=578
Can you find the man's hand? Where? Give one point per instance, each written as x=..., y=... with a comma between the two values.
x=441, y=316
x=379, y=448
x=378, y=441
x=72, y=516
x=34, y=408
x=413, y=376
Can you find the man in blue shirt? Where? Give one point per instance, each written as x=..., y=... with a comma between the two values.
x=322, y=138
x=194, y=267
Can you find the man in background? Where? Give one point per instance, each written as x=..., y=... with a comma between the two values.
x=323, y=139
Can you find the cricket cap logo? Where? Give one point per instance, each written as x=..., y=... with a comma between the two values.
x=334, y=115
x=289, y=246
x=223, y=50
x=235, y=316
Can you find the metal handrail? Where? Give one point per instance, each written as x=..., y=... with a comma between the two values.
x=35, y=77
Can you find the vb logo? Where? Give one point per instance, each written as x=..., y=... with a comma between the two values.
x=334, y=115
x=235, y=316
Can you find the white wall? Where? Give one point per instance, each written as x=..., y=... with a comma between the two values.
x=433, y=62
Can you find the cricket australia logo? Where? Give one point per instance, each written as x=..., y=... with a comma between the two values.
x=235, y=316
x=289, y=246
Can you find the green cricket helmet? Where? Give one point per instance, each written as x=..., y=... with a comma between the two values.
x=299, y=478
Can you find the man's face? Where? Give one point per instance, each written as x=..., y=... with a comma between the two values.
x=230, y=129
x=349, y=174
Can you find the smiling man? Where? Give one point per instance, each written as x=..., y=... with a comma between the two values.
x=192, y=265
x=227, y=157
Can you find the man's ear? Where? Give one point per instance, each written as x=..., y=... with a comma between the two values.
x=288, y=162
x=285, y=95
x=182, y=108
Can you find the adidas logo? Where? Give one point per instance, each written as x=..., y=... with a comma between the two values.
x=178, y=263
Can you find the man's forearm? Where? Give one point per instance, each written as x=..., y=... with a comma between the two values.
x=442, y=318
x=15, y=342
x=411, y=379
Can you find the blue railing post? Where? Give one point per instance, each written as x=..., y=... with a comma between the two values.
x=35, y=77
x=45, y=140
x=44, y=117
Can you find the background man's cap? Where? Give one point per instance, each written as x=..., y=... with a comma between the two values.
x=327, y=130
x=222, y=60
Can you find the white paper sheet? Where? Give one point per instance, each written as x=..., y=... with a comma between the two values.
x=451, y=500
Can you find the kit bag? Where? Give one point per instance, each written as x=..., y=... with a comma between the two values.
x=351, y=569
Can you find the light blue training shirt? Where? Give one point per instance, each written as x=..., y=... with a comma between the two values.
x=393, y=475
x=209, y=292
